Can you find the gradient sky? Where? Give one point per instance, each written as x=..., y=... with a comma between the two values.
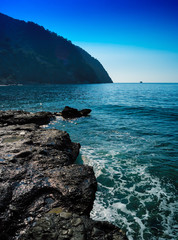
x=134, y=39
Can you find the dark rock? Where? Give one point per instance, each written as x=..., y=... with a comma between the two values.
x=85, y=112
x=38, y=176
x=72, y=226
x=21, y=117
x=37, y=173
x=69, y=112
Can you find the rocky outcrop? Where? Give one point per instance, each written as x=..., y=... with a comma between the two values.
x=43, y=193
x=21, y=117
x=69, y=112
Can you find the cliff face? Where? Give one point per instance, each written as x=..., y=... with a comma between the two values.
x=29, y=54
x=96, y=66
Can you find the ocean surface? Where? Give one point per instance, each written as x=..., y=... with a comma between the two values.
x=130, y=139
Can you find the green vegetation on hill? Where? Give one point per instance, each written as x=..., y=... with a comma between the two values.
x=29, y=54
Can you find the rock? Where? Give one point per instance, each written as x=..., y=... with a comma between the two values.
x=37, y=174
x=21, y=117
x=59, y=228
x=65, y=215
x=43, y=194
x=85, y=112
x=69, y=112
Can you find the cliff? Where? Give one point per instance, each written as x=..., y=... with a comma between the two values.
x=29, y=54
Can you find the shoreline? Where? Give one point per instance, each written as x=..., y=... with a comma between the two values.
x=41, y=184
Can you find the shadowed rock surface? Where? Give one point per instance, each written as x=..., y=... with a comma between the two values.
x=38, y=176
x=21, y=117
x=69, y=112
x=66, y=225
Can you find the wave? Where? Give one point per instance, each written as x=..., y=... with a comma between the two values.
x=130, y=197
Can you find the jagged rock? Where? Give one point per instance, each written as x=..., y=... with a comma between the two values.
x=38, y=176
x=69, y=112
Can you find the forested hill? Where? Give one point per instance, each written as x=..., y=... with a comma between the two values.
x=30, y=54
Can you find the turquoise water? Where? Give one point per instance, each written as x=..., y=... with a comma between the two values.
x=131, y=140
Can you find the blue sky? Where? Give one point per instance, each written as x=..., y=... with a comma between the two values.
x=134, y=40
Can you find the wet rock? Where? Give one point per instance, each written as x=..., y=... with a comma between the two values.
x=37, y=173
x=69, y=112
x=61, y=228
x=85, y=112
x=21, y=117
x=65, y=215
x=43, y=194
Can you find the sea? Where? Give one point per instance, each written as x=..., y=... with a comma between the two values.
x=130, y=139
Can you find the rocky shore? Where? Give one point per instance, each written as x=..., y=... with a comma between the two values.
x=43, y=193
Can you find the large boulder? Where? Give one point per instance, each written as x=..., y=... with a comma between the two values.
x=69, y=112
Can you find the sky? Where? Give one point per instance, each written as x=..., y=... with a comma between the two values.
x=135, y=40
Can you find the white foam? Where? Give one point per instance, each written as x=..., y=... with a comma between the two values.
x=126, y=173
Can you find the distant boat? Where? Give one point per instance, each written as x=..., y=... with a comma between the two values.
x=141, y=82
